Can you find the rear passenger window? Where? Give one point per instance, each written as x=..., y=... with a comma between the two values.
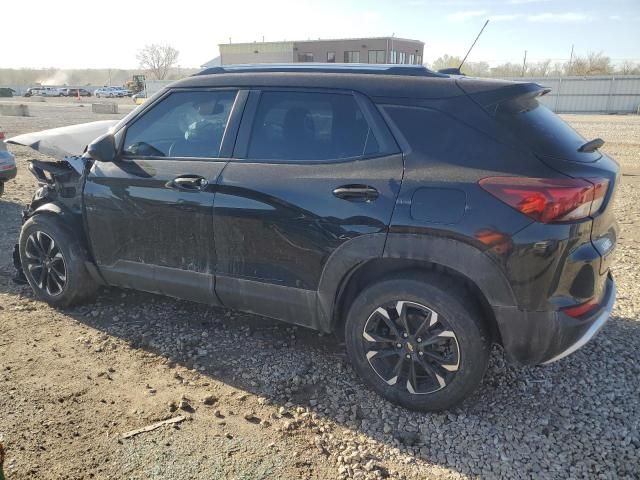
x=184, y=124
x=310, y=126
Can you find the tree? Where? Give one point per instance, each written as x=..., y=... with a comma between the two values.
x=507, y=70
x=157, y=59
x=539, y=69
x=595, y=63
x=446, y=61
x=628, y=68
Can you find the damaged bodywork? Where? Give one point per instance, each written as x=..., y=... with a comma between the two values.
x=60, y=179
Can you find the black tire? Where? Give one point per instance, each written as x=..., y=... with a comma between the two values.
x=66, y=279
x=436, y=384
x=1, y=188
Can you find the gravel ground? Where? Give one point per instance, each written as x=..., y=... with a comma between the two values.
x=263, y=399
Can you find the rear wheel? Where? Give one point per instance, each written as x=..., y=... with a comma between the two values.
x=417, y=342
x=53, y=262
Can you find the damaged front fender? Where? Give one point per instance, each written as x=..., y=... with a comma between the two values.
x=60, y=180
x=63, y=142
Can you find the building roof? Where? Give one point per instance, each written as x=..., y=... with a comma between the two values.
x=320, y=40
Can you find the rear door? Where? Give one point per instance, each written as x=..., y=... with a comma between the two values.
x=312, y=170
x=150, y=212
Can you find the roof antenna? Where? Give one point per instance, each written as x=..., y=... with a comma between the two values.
x=468, y=52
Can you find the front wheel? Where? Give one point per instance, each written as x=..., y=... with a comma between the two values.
x=53, y=262
x=418, y=342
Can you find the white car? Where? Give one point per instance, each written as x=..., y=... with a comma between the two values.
x=46, y=92
x=109, y=92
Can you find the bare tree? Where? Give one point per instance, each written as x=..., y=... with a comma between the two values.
x=446, y=61
x=157, y=59
x=595, y=63
x=539, y=69
x=628, y=68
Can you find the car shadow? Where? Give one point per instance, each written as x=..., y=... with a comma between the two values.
x=521, y=418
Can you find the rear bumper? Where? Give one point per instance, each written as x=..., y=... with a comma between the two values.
x=533, y=338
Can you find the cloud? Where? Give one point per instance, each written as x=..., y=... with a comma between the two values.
x=615, y=17
x=565, y=17
x=507, y=17
x=465, y=15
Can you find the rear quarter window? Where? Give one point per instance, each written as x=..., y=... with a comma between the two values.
x=542, y=131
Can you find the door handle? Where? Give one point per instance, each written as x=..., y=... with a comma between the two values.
x=188, y=183
x=356, y=193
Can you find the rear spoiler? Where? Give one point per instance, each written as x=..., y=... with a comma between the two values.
x=512, y=96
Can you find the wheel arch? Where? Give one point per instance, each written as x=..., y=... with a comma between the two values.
x=414, y=254
x=73, y=223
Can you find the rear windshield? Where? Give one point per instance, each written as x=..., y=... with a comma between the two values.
x=544, y=132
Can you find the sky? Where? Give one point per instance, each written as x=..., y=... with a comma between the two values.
x=92, y=34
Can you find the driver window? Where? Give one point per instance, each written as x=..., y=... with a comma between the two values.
x=184, y=124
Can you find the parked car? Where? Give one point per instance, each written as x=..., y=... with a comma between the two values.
x=75, y=92
x=7, y=92
x=109, y=92
x=8, y=167
x=46, y=91
x=420, y=216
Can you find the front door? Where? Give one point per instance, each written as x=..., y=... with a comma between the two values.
x=149, y=213
x=312, y=170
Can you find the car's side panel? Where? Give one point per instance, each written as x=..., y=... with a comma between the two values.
x=279, y=223
x=146, y=235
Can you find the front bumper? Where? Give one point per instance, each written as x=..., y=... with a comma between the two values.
x=533, y=338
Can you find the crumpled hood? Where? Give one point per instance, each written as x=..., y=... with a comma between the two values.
x=62, y=142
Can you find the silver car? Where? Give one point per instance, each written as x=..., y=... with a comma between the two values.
x=7, y=164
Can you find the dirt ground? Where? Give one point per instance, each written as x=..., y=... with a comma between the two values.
x=262, y=399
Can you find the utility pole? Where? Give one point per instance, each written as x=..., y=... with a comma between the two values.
x=524, y=64
x=570, y=61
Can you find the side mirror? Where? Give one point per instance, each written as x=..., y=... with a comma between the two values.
x=103, y=149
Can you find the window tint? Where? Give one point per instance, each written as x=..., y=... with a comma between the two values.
x=542, y=130
x=310, y=126
x=185, y=124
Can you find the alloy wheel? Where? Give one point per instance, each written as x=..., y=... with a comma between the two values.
x=411, y=347
x=45, y=263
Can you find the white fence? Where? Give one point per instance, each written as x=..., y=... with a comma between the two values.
x=610, y=94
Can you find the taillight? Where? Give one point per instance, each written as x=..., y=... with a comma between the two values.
x=549, y=200
x=1, y=136
x=581, y=309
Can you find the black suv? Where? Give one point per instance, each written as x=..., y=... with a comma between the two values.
x=422, y=216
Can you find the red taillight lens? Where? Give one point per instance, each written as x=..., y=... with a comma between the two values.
x=1, y=135
x=548, y=200
x=581, y=309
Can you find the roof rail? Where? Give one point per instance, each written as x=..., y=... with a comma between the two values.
x=362, y=68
